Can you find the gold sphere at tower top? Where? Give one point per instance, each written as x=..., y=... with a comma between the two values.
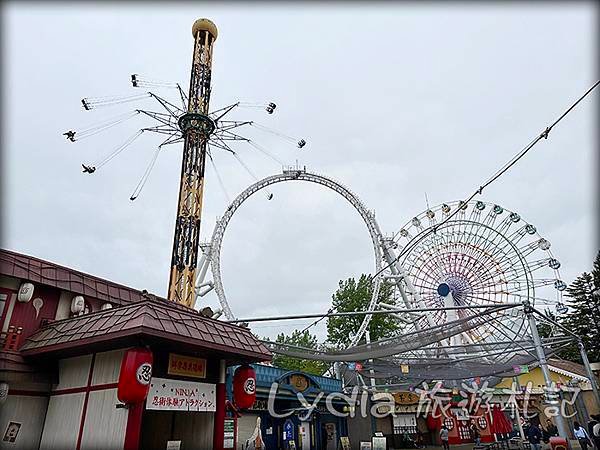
x=205, y=25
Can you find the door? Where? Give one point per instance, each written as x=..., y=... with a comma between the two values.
x=304, y=435
x=331, y=434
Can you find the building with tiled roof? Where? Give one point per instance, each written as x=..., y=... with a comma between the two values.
x=64, y=337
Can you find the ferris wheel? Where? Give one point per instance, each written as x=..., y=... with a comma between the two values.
x=482, y=254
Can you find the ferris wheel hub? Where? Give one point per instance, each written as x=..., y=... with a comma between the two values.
x=443, y=289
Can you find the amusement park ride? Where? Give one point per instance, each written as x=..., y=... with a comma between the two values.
x=468, y=275
x=201, y=131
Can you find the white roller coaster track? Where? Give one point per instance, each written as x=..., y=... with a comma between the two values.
x=212, y=251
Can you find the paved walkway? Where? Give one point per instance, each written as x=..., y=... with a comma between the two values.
x=574, y=446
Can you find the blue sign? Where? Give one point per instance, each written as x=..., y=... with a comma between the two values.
x=288, y=430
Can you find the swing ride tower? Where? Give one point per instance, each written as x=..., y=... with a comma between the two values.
x=196, y=127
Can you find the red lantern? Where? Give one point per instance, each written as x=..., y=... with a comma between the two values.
x=135, y=375
x=244, y=387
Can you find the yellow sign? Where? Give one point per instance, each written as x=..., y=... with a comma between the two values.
x=187, y=366
x=405, y=398
x=299, y=382
x=404, y=368
x=345, y=442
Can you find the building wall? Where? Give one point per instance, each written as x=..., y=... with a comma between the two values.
x=536, y=377
x=193, y=429
x=82, y=406
x=63, y=419
x=30, y=412
x=359, y=429
x=103, y=416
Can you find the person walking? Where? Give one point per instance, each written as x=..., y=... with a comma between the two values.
x=594, y=424
x=444, y=437
x=475, y=435
x=549, y=431
x=534, y=436
x=581, y=435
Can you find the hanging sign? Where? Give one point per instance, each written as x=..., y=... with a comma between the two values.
x=345, y=442
x=12, y=431
x=378, y=443
x=404, y=368
x=187, y=366
x=288, y=430
x=176, y=395
x=229, y=433
x=173, y=445
x=524, y=368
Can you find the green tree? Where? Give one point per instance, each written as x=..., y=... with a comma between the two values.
x=583, y=317
x=352, y=296
x=546, y=329
x=300, y=339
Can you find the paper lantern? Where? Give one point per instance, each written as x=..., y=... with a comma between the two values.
x=135, y=375
x=25, y=292
x=77, y=305
x=244, y=387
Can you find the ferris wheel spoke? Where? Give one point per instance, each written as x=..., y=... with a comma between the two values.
x=485, y=257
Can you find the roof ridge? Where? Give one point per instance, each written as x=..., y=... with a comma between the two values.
x=68, y=269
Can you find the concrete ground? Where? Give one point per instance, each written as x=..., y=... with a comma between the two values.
x=574, y=446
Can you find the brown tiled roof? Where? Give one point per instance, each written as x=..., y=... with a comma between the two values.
x=569, y=366
x=36, y=270
x=156, y=319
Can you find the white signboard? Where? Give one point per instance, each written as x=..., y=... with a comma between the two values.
x=173, y=445
x=176, y=395
x=379, y=443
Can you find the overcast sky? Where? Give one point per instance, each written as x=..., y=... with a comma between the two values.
x=394, y=100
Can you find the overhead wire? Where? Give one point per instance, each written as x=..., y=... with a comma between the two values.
x=494, y=177
x=97, y=128
x=119, y=149
x=269, y=193
x=219, y=179
x=274, y=132
x=264, y=151
x=98, y=102
x=138, y=189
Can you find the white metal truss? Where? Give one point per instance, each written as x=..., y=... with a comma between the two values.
x=211, y=251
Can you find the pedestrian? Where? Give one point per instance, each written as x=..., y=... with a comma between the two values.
x=595, y=420
x=444, y=437
x=534, y=436
x=582, y=436
x=475, y=435
x=549, y=431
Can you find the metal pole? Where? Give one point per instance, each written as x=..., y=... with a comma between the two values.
x=563, y=431
x=219, y=418
x=517, y=412
x=364, y=313
x=590, y=374
x=370, y=394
